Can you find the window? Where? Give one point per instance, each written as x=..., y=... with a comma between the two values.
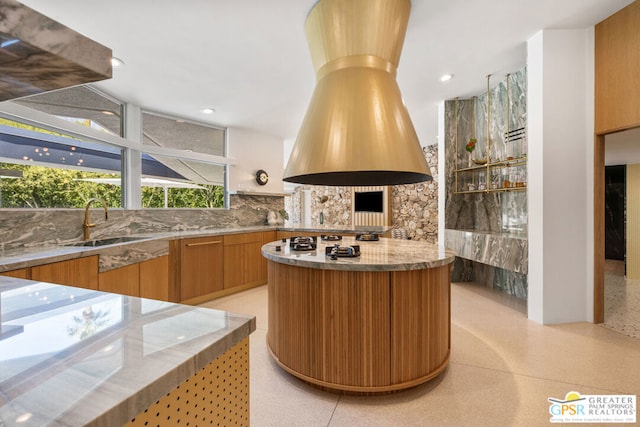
x=49, y=163
x=82, y=105
x=196, y=184
x=41, y=169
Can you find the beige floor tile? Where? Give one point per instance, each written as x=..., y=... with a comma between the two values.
x=279, y=399
x=463, y=396
x=485, y=333
x=253, y=302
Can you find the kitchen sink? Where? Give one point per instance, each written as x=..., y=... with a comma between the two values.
x=104, y=242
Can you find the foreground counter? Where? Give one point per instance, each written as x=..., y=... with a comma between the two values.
x=78, y=357
x=375, y=323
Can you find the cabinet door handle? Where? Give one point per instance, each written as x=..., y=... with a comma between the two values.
x=204, y=243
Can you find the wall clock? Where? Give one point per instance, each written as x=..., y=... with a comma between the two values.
x=262, y=177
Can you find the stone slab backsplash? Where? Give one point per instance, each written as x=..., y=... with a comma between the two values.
x=414, y=207
x=34, y=227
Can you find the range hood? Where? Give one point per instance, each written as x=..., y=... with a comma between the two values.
x=356, y=130
x=38, y=54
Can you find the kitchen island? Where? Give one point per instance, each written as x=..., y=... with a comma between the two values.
x=78, y=357
x=374, y=323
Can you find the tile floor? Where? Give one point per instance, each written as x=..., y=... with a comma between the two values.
x=621, y=300
x=503, y=368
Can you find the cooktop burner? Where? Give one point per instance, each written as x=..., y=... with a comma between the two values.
x=336, y=251
x=330, y=237
x=303, y=243
x=367, y=237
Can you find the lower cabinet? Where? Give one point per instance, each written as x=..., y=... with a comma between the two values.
x=201, y=266
x=154, y=279
x=147, y=279
x=23, y=273
x=80, y=272
x=195, y=270
x=283, y=235
x=242, y=260
x=267, y=237
x=123, y=280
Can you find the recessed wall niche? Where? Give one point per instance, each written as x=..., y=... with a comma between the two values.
x=486, y=190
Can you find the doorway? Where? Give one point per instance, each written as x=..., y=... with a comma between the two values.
x=617, y=197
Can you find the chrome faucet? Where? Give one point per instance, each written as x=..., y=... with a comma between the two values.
x=87, y=225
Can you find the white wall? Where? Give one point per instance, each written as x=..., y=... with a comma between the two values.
x=252, y=151
x=560, y=187
x=442, y=184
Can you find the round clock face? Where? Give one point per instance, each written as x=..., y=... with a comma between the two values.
x=262, y=177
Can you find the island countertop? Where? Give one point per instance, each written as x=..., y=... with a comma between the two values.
x=72, y=357
x=382, y=255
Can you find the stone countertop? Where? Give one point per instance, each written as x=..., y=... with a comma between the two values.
x=383, y=255
x=521, y=235
x=336, y=230
x=151, y=245
x=506, y=250
x=72, y=357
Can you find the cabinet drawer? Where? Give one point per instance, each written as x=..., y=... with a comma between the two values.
x=241, y=239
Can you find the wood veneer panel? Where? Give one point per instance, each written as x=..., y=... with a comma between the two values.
x=633, y=222
x=598, y=230
x=253, y=263
x=617, y=61
x=420, y=322
x=154, y=278
x=267, y=236
x=234, y=265
x=355, y=323
x=123, y=280
x=243, y=262
x=283, y=235
x=239, y=239
x=23, y=273
x=81, y=272
x=332, y=326
x=201, y=267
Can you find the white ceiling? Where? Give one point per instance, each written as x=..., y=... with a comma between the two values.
x=248, y=59
x=622, y=148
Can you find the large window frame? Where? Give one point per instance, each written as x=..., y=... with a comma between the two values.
x=129, y=146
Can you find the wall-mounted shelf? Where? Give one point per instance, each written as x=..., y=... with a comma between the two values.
x=492, y=190
x=484, y=175
x=494, y=182
x=258, y=193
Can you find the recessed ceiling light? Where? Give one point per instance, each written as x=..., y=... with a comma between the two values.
x=116, y=62
x=107, y=113
x=208, y=110
x=446, y=77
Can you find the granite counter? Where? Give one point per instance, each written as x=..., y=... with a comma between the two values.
x=75, y=357
x=506, y=250
x=382, y=255
x=116, y=255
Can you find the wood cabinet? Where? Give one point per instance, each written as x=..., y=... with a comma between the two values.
x=283, y=235
x=154, y=279
x=147, y=279
x=23, y=273
x=201, y=267
x=267, y=236
x=123, y=280
x=80, y=272
x=243, y=265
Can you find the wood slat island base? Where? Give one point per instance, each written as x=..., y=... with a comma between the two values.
x=358, y=332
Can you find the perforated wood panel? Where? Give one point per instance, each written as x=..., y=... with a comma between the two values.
x=218, y=395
